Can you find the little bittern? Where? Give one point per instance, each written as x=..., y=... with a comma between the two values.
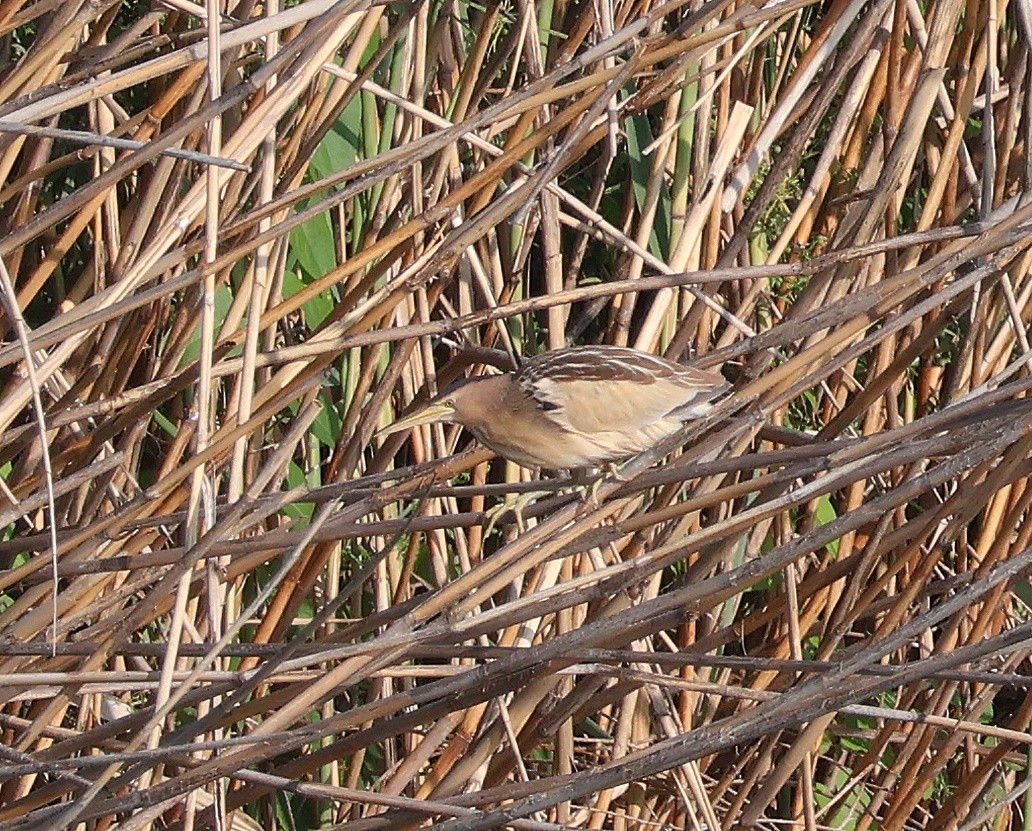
x=577, y=407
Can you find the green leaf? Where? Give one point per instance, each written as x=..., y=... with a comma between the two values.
x=315, y=310
x=315, y=246
x=1024, y=592
x=327, y=425
x=223, y=302
x=165, y=423
x=639, y=136
x=825, y=514
x=339, y=149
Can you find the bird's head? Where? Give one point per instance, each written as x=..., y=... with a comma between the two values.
x=468, y=402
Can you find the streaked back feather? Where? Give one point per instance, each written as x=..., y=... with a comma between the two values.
x=592, y=389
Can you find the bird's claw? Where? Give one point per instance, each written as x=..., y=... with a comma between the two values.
x=517, y=504
x=590, y=492
x=514, y=503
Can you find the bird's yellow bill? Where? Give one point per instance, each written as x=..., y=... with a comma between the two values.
x=441, y=411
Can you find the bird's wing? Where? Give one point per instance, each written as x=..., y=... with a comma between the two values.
x=614, y=389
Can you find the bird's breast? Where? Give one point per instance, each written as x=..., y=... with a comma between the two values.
x=550, y=445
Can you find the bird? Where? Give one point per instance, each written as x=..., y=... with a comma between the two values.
x=576, y=407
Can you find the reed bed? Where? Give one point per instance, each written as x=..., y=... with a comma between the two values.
x=239, y=238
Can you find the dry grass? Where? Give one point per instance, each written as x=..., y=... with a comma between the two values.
x=331, y=208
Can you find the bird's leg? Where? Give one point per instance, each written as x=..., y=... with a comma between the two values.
x=516, y=504
x=519, y=503
x=590, y=492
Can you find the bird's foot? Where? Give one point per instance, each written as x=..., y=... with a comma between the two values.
x=515, y=503
x=616, y=472
x=611, y=472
